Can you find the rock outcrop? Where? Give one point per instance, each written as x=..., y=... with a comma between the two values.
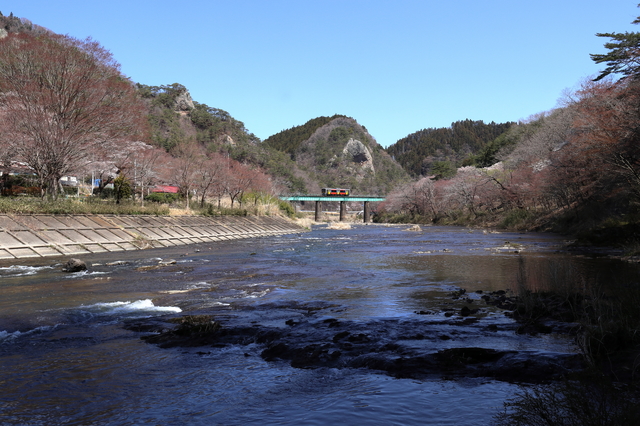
x=356, y=152
x=306, y=337
x=184, y=102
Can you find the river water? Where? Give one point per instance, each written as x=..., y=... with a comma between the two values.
x=66, y=358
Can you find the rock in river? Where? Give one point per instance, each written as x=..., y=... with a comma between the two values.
x=74, y=265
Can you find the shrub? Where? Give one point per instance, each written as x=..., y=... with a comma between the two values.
x=287, y=208
x=161, y=197
x=211, y=210
x=515, y=219
x=589, y=401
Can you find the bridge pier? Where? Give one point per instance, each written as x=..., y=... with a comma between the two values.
x=366, y=212
x=343, y=204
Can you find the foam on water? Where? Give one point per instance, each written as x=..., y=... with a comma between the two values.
x=7, y=336
x=21, y=270
x=139, y=307
x=84, y=274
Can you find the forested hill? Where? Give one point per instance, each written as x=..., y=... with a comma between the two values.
x=338, y=152
x=427, y=151
x=175, y=117
x=325, y=152
x=13, y=24
x=289, y=140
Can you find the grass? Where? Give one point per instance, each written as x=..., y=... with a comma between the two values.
x=608, y=323
x=95, y=205
x=30, y=205
x=585, y=402
x=516, y=219
x=191, y=325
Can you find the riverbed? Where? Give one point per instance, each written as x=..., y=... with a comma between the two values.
x=70, y=352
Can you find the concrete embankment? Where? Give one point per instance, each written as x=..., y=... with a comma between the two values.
x=32, y=236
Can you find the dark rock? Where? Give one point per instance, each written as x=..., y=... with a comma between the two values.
x=332, y=322
x=461, y=356
x=340, y=336
x=74, y=265
x=389, y=346
x=466, y=311
x=359, y=338
x=277, y=350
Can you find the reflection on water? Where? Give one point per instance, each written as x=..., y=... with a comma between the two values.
x=67, y=360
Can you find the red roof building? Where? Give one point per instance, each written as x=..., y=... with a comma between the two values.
x=166, y=189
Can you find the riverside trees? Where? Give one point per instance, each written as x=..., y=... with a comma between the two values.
x=580, y=162
x=59, y=96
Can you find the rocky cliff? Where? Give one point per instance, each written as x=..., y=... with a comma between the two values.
x=342, y=153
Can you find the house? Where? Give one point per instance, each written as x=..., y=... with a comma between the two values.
x=69, y=181
x=165, y=189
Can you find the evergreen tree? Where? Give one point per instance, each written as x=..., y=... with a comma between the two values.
x=623, y=56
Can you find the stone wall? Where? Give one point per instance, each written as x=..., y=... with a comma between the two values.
x=28, y=236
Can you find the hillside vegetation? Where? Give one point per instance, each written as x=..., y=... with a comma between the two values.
x=439, y=151
x=338, y=152
x=289, y=140
x=575, y=168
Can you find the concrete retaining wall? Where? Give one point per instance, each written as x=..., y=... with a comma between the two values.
x=26, y=236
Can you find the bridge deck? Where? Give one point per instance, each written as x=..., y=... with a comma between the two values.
x=321, y=198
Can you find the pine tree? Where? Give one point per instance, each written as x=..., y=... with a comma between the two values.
x=623, y=56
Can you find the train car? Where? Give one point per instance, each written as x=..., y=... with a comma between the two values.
x=335, y=192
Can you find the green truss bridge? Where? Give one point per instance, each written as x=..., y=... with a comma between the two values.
x=343, y=203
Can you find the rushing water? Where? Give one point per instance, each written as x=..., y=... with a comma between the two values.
x=66, y=358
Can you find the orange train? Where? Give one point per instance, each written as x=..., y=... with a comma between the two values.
x=335, y=192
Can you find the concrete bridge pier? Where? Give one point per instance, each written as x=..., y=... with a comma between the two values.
x=343, y=203
x=366, y=212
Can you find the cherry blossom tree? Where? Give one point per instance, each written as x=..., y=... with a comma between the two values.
x=59, y=96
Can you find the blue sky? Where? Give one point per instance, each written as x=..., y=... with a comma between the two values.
x=396, y=66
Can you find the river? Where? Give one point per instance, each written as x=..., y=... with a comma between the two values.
x=66, y=357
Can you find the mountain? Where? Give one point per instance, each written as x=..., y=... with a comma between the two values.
x=324, y=152
x=425, y=151
x=338, y=152
x=174, y=117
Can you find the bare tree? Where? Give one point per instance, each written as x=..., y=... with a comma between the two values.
x=210, y=170
x=60, y=95
x=188, y=163
x=466, y=187
x=242, y=178
x=7, y=155
x=146, y=164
